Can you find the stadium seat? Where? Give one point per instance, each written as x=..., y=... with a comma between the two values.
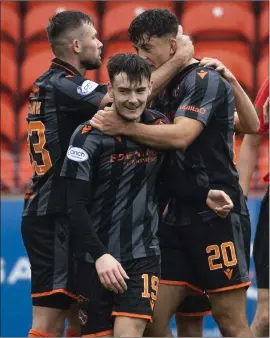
x=117, y=18
x=38, y=16
x=111, y=49
x=7, y=117
x=34, y=66
x=189, y=4
x=217, y=20
x=8, y=73
x=8, y=49
x=9, y=21
x=264, y=25
x=22, y=120
x=37, y=47
x=239, y=64
x=7, y=170
x=263, y=68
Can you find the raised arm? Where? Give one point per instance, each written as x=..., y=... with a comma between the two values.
x=246, y=119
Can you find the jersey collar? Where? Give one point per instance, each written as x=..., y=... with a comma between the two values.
x=57, y=63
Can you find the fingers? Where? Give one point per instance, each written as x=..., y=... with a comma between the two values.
x=120, y=280
x=180, y=31
x=122, y=271
x=117, y=282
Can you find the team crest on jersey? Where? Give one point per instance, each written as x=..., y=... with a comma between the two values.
x=86, y=87
x=161, y=121
x=77, y=154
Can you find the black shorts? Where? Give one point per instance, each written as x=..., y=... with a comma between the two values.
x=195, y=306
x=47, y=242
x=261, y=245
x=211, y=256
x=100, y=305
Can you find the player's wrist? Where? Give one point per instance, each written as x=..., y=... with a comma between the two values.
x=130, y=129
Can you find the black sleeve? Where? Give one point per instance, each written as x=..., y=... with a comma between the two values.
x=204, y=93
x=77, y=95
x=83, y=234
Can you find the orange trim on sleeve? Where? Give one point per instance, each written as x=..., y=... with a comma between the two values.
x=179, y=283
x=48, y=293
x=194, y=314
x=99, y=334
x=133, y=315
x=238, y=286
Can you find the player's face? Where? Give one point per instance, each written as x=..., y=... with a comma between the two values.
x=90, y=47
x=156, y=50
x=129, y=98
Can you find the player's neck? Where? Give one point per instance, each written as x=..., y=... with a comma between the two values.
x=74, y=63
x=190, y=62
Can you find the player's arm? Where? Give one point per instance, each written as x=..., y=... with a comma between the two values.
x=76, y=90
x=78, y=169
x=202, y=98
x=246, y=119
x=247, y=159
x=162, y=75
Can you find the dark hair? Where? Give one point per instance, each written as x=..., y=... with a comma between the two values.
x=133, y=65
x=154, y=22
x=64, y=22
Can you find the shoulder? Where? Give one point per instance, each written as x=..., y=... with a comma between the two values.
x=80, y=85
x=155, y=117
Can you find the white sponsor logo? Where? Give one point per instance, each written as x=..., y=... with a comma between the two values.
x=86, y=87
x=19, y=272
x=77, y=154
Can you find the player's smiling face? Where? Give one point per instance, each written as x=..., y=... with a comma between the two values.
x=156, y=50
x=129, y=97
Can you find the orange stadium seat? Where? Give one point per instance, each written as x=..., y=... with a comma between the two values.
x=239, y=64
x=264, y=25
x=22, y=121
x=220, y=19
x=117, y=18
x=7, y=170
x=34, y=66
x=38, y=16
x=188, y=4
x=9, y=21
x=8, y=49
x=37, y=47
x=7, y=117
x=8, y=72
x=263, y=68
x=112, y=48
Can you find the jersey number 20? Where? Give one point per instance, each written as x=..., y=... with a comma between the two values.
x=39, y=169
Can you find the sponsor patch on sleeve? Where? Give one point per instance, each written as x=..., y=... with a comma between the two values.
x=77, y=154
x=86, y=87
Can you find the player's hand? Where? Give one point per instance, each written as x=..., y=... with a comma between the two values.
x=266, y=111
x=109, y=122
x=219, y=67
x=219, y=202
x=111, y=274
x=184, y=48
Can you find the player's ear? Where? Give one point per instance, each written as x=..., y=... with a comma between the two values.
x=150, y=87
x=76, y=46
x=110, y=89
x=172, y=46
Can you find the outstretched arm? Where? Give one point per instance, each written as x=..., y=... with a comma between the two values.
x=246, y=119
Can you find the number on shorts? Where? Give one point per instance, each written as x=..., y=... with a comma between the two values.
x=39, y=169
x=154, y=287
x=216, y=255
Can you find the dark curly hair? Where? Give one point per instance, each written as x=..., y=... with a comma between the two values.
x=154, y=22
